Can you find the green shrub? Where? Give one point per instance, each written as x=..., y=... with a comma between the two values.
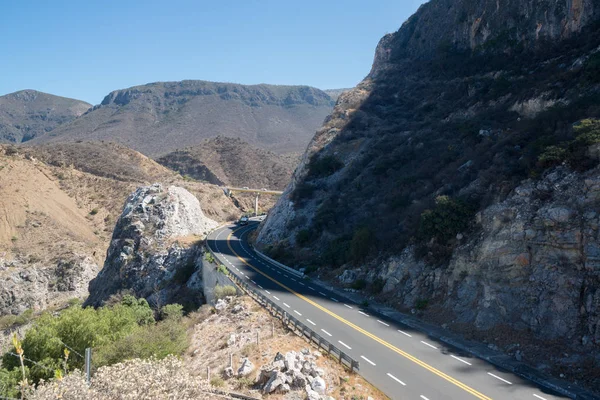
x=359, y=284
x=552, y=155
x=209, y=257
x=8, y=321
x=171, y=311
x=222, y=269
x=78, y=328
x=320, y=167
x=377, y=286
x=304, y=237
x=303, y=191
x=217, y=381
x=362, y=240
x=337, y=252
x=448, y=218
x=421, y=304
x=224, y=291
x=94, y=211
x=159, y=340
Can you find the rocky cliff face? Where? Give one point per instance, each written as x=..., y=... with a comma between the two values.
x=468, y=25
x=465, y=101
x=154, y=252
x=37, y=287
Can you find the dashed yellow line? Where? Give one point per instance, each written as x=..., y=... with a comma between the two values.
x=364, y=332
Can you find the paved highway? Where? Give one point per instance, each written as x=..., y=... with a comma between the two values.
x=401, y=362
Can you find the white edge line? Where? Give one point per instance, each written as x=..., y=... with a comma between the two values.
x=404, y=333
x=424, y=398
x=334, y=299
x=350, y=307
x=367, y=360
x=287, y=305
x=383, y=323
x=311, y=321
x=430, y=345
x=539, y=397
x=276, y=298
x=297, y=313
x=366, y=315
x=326, y=332
x=345, y=345
x=460, y=359
x=396, y=379
x=497, y=377
x=260, y=287
x=267, y=292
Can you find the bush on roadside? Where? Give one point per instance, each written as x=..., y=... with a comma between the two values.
x=123, y=331
x=171, y=311
x=224, y=291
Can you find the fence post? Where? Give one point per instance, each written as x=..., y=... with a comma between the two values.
x=208, y=374
x=257, y=338
x=230, y=360
x=272, y=329
x=88, y=365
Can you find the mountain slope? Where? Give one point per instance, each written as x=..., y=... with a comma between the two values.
x=160, y=117
x=27, y=114
x=59, y=203
x=432, y=183
x=230, y=161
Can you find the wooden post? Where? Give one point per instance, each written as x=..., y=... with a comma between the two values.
x=272, y=329
x=257, y=337
x=230, y=360
x=208, y=373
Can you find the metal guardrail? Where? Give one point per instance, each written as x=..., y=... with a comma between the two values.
x=290, y=321
x=278, y=264
x=295, y=325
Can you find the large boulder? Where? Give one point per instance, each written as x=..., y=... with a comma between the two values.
x=246, y=368
x=150, y=255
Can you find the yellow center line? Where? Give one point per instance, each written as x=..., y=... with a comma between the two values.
x=359, y=329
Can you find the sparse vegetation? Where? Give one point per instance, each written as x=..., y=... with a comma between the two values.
x=445, y=220
x=224, y=291
x=94, y=211
x=304, y=237
x=323, y=166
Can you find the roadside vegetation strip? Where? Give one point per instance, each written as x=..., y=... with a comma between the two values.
x=404, y=354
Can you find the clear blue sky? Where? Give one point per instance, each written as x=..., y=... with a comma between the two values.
x=85, y=49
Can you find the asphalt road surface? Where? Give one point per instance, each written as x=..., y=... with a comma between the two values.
x=401, y=362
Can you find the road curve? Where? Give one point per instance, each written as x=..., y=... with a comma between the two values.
x=401, y=362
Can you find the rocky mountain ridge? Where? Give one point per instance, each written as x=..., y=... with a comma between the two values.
x=27, y=114
x=160, y=117
x=417, y=183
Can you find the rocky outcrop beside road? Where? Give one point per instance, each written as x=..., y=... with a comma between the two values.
x=154, y=252
x=37, y=286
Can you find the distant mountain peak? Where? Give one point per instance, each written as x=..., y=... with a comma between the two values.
x=29, y=113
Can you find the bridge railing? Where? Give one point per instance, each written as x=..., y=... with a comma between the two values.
x=292, y=322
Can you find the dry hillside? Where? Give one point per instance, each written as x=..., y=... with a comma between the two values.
x=28, y=113
x=57, y=220
x=160, y=117
x=231, y=161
